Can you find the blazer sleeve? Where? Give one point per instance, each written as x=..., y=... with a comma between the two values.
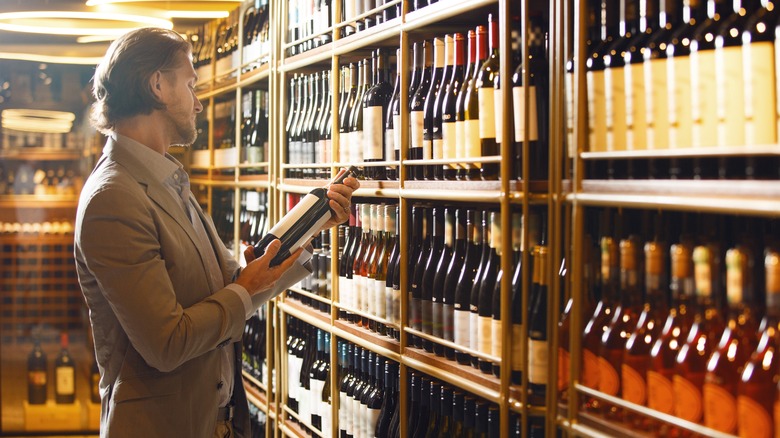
x=122, y=244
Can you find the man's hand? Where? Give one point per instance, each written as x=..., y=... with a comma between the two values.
x=340, y=196
x=257, y=276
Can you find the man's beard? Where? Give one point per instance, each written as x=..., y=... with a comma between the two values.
x=187, y=135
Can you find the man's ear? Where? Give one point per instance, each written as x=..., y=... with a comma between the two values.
x=156, y=85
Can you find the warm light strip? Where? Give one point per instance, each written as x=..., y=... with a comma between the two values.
x=197, y=14
x=69, y=30
x=51, y=59
x=95, y=38
x=32, y=114
x=48, y=127
x=109, y=2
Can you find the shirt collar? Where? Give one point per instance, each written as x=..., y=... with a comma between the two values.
x=159, y=166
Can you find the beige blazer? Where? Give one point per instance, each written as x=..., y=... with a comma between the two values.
x=156, y=324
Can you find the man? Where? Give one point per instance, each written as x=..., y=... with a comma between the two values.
x=167, y=301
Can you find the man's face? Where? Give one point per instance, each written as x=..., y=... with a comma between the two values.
x=182, y=104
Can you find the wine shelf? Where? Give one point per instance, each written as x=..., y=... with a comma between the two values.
x=367, y=339
x=35, y=201
x=254, y=395
x=683, y=201
x=296, y=428
x=595, y=422
x=320, y=55
x=384, y=34
x=461, y=376
x=41, y=154
x=441, y=10
x=714, y=151
x=306, y=314
x=253, y=76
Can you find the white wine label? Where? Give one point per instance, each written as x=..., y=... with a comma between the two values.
x=293, y=216
x=438, y=149
x=396, y=134
x=615, y=87
x=487, y=115
x=485, y=333
x=427, y=149
x=449, y=138
x=518, y=102
x=343, y=412
x=389, y=304
x=571, y=147
x=462, y=327
x=380, y=311
x=731, y=98
x=373, y=418
x=658, y=104
x=638, y=128
x=460, y=139
x=416, y=120
x=316, y=397
x=760, y=93
x=538, y=362
x=474, y=331
x=356, y=148
x=389, y=144
x=396, y=306
x=368, y=296
x=598, y=115
x=372, y=133
x=496, y=328
x=65, y=382
x=702, y=64
x=498, y=113
x=473, y=147
x=343, y=147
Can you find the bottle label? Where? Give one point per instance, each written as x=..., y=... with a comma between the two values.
x=474, y=330
x=609, y=380
x=660, y=393
x=498, y=111
x=389, y=144
x=518, y=95
x=344, y=140
x=460, y=135
x=472, y=145
x=396, y=134
x=538, y=362
x=438, y=149
x=615, y=91
x=380, y=311
x=436, y=315
x=485, y=331
x=496, y=342
x=720, y=408
x=687, y=399
x=731, y=96
x=448, y=322
x=563, y=369
x=462, y=322
x=293, y=217
x=487, y=117
x=518, y=358
x=760, y=102
x=373, y=418
x=754, y=420
x=415, y=313
x=356, y=147
x=316, y=396
x=37, y=378
x=449, y=139
x=571, y=146
x=702, y=94
x=597, y=111
x=633, y=385
x=590, y=369
x=658, y=104
x=427, y=316
x=372, y=133
x=396, y=306
x=388, y=294
x=65, y=380
x=637, y=125
x=416, y=119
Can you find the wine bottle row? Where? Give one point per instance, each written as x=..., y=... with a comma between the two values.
x=688, y=329
x=253, y=215
x=53, y=227
x=673, y=74
x=254, y=340
x=369, y=389
x=308, y=25
x=452, y=110
x=254, y=128
x=319, y=281
x=41, y=179
x=258, y=418
x=256, y=48
x=64, y=375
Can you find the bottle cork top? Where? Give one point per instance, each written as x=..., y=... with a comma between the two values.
x=681, y=261
x=628, y=255
x=772, y=268
x=654, y=258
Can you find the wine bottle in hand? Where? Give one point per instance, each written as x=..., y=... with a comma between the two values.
x=302, y=222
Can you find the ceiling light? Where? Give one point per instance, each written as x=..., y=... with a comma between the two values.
x=31, y=120
x=197, y=14
x=51, y=59
x=77, y=23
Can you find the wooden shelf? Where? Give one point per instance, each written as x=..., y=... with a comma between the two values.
x=308, y=59
x=306, y=314
x=385, y=34
x=442, y=10
x=367, y=339
x=713, y=151
x=38, y=201
x=724, y=196
x=255, y=75
x=41, y=154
